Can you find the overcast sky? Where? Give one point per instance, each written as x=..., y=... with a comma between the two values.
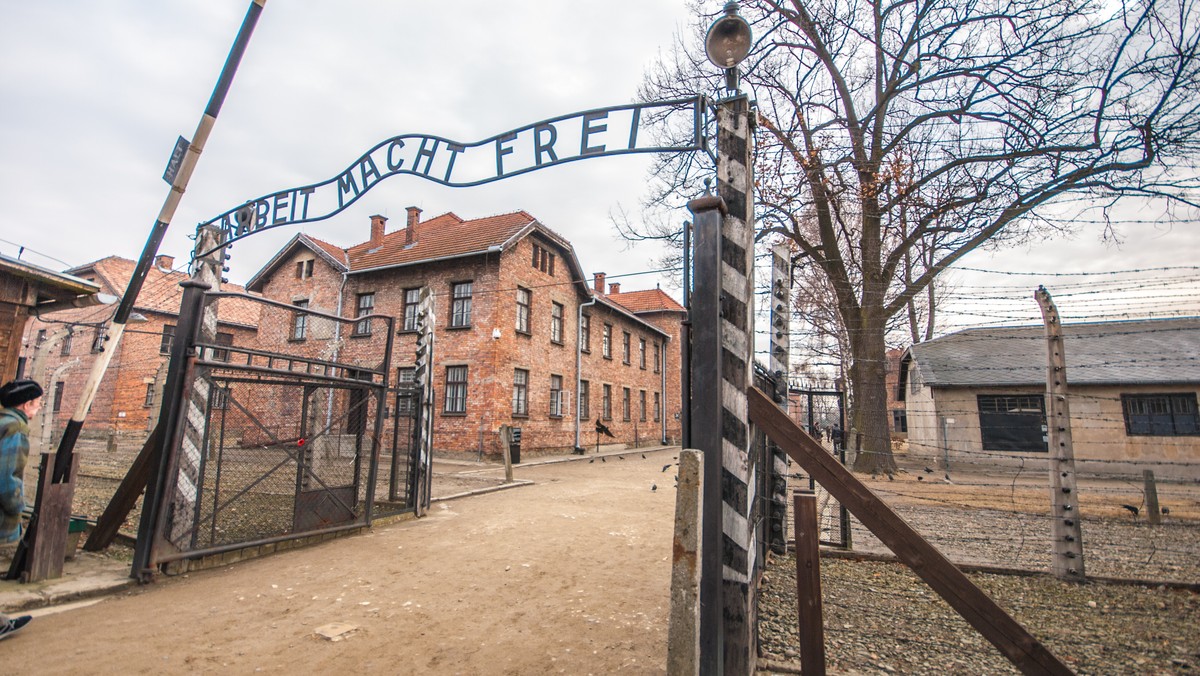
x=95, y=92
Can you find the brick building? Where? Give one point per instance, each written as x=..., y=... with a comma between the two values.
x=60, y=348
x=522, y=339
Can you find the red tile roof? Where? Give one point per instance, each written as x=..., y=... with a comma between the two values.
x=445, y=236
x=161, y=291
x=336, y=253
x=649, y=300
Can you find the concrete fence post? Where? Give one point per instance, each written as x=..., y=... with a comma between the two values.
x=683, y=633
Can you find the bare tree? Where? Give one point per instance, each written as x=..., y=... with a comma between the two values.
x=915, y=131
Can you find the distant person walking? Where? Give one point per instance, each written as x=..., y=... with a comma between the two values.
x=20, y=400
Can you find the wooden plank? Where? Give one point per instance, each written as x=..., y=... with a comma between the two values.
x=976, y=607
x=126, y=496
x=808, y=584
x=48, y=551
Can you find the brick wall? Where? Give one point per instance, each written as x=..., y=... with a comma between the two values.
x=492, y=349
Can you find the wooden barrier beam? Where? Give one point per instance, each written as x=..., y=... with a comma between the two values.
x=808, y=583
x=977, y=608
x=126, y=496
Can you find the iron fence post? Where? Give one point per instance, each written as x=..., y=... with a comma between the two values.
x=190, y=310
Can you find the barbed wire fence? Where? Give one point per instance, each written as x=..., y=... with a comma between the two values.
x=990, y=510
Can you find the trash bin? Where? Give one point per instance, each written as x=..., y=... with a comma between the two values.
x=514, y=447
x=75, y=530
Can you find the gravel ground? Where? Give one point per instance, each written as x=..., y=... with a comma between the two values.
x=881, y=619
x=1112, y=547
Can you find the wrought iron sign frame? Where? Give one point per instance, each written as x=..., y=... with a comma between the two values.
x=444, y=161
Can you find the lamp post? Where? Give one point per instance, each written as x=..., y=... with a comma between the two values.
x=722, y=335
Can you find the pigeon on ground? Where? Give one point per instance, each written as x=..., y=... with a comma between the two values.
x=591, y=461
x=1132, y=510
x=602, y=459
x=666, y=467
x=653, y=487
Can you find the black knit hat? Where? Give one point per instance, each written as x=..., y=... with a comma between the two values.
x=17, y=392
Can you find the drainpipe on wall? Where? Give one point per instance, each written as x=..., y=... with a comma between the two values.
x=579, y=361
x=662, y=397
x=337, y=346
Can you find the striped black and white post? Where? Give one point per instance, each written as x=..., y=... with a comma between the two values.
x=423, y=378
x=188, y=464
x=735, y=184
x=722, y=331
x=780, y=299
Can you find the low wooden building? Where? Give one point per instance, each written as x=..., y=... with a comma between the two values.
x=28, y=290
x=977, y=397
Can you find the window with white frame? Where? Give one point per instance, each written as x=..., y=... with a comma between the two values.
x=556, y=397
x=168, y=337
x=460, y=308
x=304, y=269
x=556, y=323
x=520, y=392
x=524, y=303
x=366, y=306
x=456, y=390
x=412, y=300
x=300, y=321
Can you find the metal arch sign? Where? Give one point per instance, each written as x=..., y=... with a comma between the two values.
x=577, y=136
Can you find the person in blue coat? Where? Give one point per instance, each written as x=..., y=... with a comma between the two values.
x=20, y=400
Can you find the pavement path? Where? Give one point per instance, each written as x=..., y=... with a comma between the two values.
x=567, y=575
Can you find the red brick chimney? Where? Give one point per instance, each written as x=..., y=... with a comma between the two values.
x=378, y=224
x=410, y=230
x=598, y=282
x=164, y=263
x=614, y=288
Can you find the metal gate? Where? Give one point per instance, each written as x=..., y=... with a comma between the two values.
x=281, y=440
x=822, y=413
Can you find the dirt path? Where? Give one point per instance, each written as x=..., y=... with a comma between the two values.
x=504, y=583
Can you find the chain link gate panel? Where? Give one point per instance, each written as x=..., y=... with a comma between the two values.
x=822, y=414
x=283, y=439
